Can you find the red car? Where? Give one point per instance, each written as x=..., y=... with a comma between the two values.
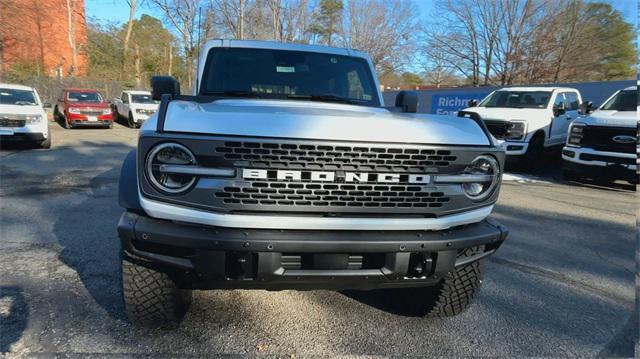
x=83, y=107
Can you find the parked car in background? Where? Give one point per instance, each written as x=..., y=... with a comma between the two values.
x=22, y=116
x=82, y=107
x=134, y=106
x=526, y=120
x=604, y=143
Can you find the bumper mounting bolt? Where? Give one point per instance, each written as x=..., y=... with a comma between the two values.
x=145, y=236
x=245, y=244
x=402, y=247
x=269, y=246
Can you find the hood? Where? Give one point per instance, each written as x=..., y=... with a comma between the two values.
x=611, y=118
x=21, y=110
x=506, y=113
x=317, y=120
x=88, y=104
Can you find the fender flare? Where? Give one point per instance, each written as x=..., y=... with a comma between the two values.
x=128, y=184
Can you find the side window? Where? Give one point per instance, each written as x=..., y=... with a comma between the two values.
x=559, y=100
x=125, y=98
x=572, y=101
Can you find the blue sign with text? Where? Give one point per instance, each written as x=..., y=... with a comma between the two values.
x=452, y=103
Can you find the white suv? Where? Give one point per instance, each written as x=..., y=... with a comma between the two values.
x=135, y=106
x=604, y=143
x=525, y=120
x=22, y=117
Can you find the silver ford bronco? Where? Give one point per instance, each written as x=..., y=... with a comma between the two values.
x=285, y=170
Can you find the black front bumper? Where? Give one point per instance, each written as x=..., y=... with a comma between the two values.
x=201, y=257
x=23, y=136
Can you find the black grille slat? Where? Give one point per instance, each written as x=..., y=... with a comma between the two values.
x=328, y=157
x=337, y=195
x=600, y=138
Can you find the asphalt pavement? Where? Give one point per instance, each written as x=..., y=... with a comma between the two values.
x=562, y=284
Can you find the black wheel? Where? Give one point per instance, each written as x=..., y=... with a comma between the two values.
x=130, y=120
x=46, y=143
x=151, y=297
x=533, y=156
x=455, y=292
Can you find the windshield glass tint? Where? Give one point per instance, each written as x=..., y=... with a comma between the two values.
x=17, y=97
x=623, y=101
x=142, y=99
x=289, y=74
x=84, y=97
x=517, y=99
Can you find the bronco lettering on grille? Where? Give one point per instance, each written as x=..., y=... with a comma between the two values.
x=322, y=176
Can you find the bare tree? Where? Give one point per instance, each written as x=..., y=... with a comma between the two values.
x=132, y=13
x=183, y=14
x=71, y=37
x=382, y=28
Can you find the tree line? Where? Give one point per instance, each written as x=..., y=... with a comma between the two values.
x=463, y=42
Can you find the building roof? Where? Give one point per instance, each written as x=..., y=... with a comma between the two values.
x=16, y=87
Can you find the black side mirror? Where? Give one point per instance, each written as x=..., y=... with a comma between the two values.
x=46, y=105
x=164, y=85
x=559, y=110
x=586, y=108
x=407, y=101
x=472, y=103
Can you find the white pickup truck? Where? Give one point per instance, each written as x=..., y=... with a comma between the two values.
x=134, y=106
x=526, y=120
x=22, y=117
x=604, y=143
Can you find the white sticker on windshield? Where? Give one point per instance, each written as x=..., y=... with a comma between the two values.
x=285, y=69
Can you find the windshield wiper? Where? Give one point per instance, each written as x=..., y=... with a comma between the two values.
x=326, y=98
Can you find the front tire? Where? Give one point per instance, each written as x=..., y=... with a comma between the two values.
x=130, y=121
x=46, y=143
x=454, y=294
x=533, y=156
x=151, y=297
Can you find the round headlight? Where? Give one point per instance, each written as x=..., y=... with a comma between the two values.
x=487, y=170
x=167, y=154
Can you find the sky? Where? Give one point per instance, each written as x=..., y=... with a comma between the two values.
x=118, y=10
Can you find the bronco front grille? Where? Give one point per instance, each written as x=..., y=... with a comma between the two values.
x=7, y=122
x=301, y=194
x=328, y=157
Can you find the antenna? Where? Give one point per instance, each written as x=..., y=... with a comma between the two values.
x=199, y=45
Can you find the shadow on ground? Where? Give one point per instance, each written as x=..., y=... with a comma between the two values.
x=14, y=313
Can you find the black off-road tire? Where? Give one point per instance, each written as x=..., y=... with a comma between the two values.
x=533, y=157
x=151, y=297
x=568, y=175
x=456, y=291
x=130, y=121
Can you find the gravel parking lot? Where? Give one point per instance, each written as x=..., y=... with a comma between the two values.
x=562, y=285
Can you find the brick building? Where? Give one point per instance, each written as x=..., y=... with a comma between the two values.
x=48, y=37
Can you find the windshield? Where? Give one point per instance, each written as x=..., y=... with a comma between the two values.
x=283, y=74
x=517, y=99
x=17, y=97
x=626, y=100
x=142, y=99
x=84, y=97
